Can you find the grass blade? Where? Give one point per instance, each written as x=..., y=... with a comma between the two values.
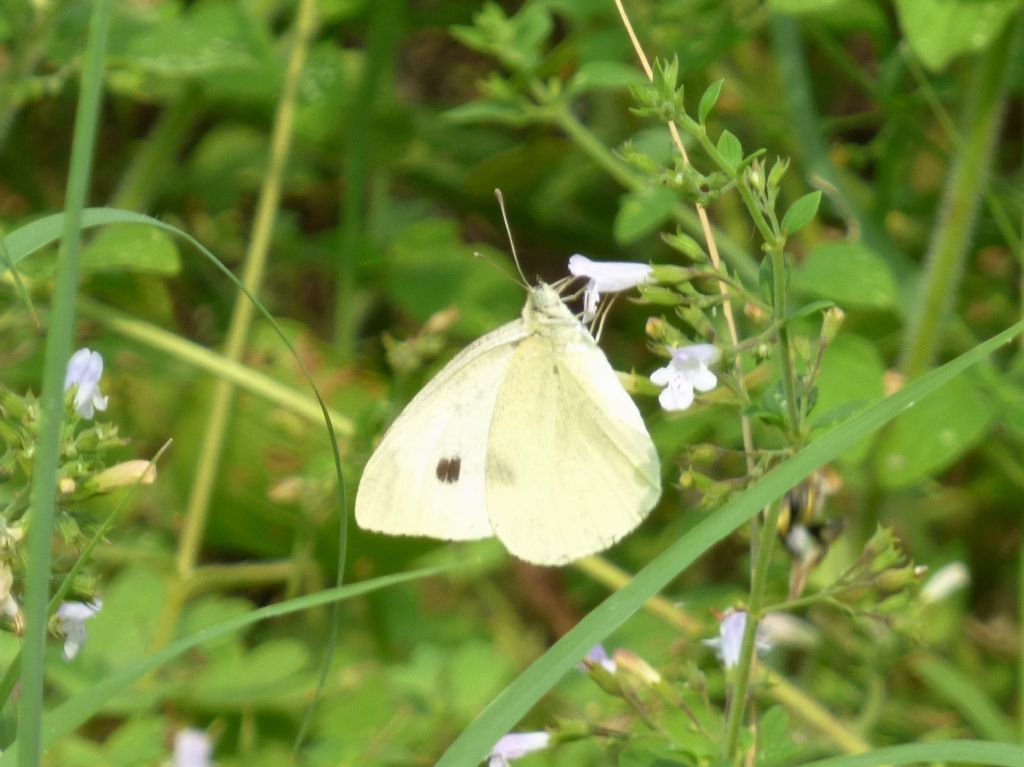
x=58, y=351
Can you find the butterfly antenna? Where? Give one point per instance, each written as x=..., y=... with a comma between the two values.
x=499, y=267
x=508, y=231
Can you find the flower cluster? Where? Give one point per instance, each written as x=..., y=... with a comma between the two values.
x=688, y=369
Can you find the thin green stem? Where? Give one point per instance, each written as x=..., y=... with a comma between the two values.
x=758, y=586
x=208, y=460
x=174, y=346
x=384, y=29
x=733, y=253
x=58, y=351
x=244, y=575
x=965, y=187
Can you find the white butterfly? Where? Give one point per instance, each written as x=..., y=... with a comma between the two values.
x=526, y=435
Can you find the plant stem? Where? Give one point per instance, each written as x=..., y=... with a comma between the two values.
x=384, y=29
x=251, y=381
x=964, y=189
x=208, y=460
x=748, y=656
x=736, y=255
x=58, y=351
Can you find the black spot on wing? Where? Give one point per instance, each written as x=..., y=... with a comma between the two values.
x=448, y=469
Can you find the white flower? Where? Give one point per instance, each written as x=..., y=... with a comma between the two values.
x=516, y=745
x=71, y=618
x=84, y=370
x=598, y=656
x=946, y=580
x=192, y=748
x=686, y=371
x=605, y=277
x=783, y=629
x=729, y=642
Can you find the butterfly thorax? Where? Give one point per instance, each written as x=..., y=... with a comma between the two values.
x=546, y=314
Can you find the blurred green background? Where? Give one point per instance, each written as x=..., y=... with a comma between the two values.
x=401, y=134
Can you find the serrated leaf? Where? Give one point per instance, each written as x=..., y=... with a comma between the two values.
x=801, y=212
x=708, y=100
x=642, y=212
x=849, y=273
x=604, y=75
x=731, y=150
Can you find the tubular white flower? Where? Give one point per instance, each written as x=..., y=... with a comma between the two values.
x=84, y=371
x=192, y=748
x=686, y=371
x=729, y=642
x=516, y=745
x=605, y=277
x=946, y=580
x=71, y=618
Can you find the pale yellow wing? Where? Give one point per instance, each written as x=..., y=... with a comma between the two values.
x=571, y=468
x=427, y=475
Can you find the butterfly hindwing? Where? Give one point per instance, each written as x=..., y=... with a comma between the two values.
x=570, y=467
x=427, y=476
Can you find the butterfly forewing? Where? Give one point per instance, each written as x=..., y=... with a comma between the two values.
x=427, y=475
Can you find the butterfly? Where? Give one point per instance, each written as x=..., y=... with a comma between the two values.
x=526, y=435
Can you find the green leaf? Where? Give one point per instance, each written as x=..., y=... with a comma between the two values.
x=518, y=698
x=603, y=76
x=642, y=212
x=485, y=111
x=801, y=212
x=731, y=150
x=852, y=372
x=934, y=434
x=268, y=673
x=72, y=713
x=220, y=44
x=135, y=248
x=849, y=273
x=708, y=101
x=940, y=30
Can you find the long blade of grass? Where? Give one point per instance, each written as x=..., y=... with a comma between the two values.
x=69, y=715
x=508, y=708
x=58, y=351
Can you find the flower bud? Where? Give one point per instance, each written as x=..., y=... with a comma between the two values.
x=636, y=666
x=833, y=321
